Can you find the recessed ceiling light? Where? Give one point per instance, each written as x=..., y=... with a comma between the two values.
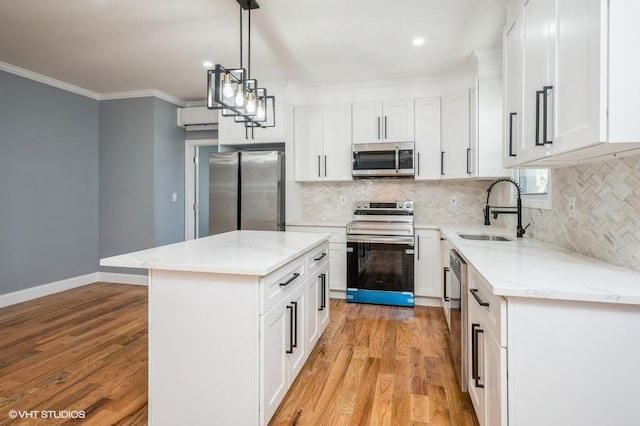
x=207, y=64
x=418, y=41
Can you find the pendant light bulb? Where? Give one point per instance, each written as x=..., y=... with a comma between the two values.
x=260, y=109
x=239, y=95
x=251, y=102
x=227, y=87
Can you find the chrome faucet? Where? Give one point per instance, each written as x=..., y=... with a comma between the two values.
x=505, y=210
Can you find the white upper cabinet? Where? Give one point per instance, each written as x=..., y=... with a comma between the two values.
x=387, y=121
x=512, y=74
x=322, y=142
x=455, y=153
x=427, y=144
x=580, y=86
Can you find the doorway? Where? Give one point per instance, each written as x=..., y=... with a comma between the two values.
x=196, y=223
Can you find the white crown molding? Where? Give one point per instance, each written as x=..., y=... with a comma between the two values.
x=48, y=80
x=150, y=93
x=12, y=69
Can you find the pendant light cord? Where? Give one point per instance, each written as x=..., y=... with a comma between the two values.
x=241, y=36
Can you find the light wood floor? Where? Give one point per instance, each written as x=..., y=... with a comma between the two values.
x=86, y=350
x=378, y=365
x=82, y=349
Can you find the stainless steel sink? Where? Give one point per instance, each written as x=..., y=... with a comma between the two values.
x=484, y=237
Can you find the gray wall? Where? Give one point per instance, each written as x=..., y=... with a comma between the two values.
x=126, y=176
x=48, y=184
x=141, y=165
x=168, y=155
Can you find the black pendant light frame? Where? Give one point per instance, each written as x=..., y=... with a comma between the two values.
x=238, y=80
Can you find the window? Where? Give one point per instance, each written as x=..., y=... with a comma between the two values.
x=535, y=185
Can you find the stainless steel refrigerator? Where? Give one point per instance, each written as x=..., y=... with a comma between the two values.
x=246, y=191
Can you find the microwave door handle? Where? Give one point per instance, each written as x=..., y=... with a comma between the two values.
x=397, y=159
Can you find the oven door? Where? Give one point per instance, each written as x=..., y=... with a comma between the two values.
x=380, y=270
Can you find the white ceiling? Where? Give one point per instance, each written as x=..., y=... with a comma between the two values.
x=110, y=46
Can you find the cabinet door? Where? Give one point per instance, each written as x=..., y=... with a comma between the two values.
x=577, y=74
x=272, y=134
x=427, y=264
x=476, y=338
x=427, y=135
x=308, y=142
x=512, y=42
x=274, y=332
x=397, y=120
x=496, y=382
x=336, y=130
x=445, y=273
x=455, y=136
x=338, y=265
x=537, y=24
x=324, y=276
x=367, y=122
x=297, y=299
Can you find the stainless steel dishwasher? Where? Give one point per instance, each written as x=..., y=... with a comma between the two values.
x=457, y=291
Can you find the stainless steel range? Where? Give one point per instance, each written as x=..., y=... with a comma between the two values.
x=380, y=247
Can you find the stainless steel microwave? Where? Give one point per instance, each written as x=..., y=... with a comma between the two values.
x=383, y=160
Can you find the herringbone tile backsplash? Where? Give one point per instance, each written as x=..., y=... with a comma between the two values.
x=607, y=222
x=321, y=201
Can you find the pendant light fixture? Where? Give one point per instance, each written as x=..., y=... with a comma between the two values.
x=234, y=92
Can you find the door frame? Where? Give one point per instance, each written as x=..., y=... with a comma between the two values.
x=191, y=208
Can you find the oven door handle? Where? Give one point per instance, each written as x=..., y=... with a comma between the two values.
x=380, y=239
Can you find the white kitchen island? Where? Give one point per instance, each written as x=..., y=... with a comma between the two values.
x=232, y=319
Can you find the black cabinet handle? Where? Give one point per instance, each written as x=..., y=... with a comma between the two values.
x=324, y=253
x=287, y=282
x=418, y=161
x=323, y=292
x=290, y=350
x=378, y=127
x=475, y=330
x=385, y=126
x=441, y=163
x=474, y=292
x=538, y=94
x=444, y=284
x=418, y=247
x=325, y=166
x=511, y=115
x=468, y=161
x=295, y=324
x=545, y=110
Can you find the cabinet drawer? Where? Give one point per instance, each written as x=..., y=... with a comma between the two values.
x=317, y=257
x=281, y=282
x=492, y=308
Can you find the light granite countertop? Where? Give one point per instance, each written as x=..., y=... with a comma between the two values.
x=525, y=267
x=237, y=252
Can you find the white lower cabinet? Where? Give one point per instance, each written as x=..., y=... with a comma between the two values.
x=427, y=263
x=318, y=304
x=487, y=352
x=273, y=358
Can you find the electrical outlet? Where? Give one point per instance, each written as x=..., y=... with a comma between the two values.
x=174, y=197
x=453, y=201
x=343, y=199
x=572, y=206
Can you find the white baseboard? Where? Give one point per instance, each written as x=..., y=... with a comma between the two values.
x=337, y=294
x=74, y=282
x=46, y=289
x=133, y=279
x=433, y=302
